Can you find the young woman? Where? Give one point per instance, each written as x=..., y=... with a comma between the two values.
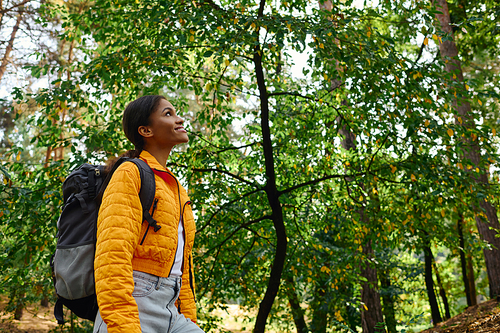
x=144, y=278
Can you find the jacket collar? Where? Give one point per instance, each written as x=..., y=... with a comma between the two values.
x=151, y=161
x=166, y=175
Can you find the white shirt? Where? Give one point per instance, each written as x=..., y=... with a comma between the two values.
x=179, y=254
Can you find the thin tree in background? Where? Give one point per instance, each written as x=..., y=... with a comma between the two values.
x=10, y=45
x=466, y=265
x=472, y=153
x=371, y=310
x=429, y=281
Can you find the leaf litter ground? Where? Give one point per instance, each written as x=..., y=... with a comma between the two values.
x=481, y=318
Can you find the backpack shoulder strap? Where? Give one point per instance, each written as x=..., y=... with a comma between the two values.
x=148, y=187
x=147, y=192
x=148, y=184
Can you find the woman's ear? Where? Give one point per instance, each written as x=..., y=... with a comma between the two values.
x=145, y=131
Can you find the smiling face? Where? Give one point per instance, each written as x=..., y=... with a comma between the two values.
x=165, y=128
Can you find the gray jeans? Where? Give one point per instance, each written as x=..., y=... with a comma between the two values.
x=155, y=297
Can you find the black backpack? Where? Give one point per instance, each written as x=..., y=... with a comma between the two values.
x=73, y=261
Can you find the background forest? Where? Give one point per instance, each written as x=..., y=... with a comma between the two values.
x=342, y=161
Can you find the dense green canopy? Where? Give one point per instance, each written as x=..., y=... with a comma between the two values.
x=312, y=190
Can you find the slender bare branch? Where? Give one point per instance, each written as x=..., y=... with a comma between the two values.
x=318, y=180
x=378, y=149
x=315, y=181
x=225, y=205
x=8, y=49
x=241, y=179
x=241, y=226
x=223, y=148
x=22, y=3
x=237, y=148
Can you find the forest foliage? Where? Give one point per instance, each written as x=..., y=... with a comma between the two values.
x=329, y=193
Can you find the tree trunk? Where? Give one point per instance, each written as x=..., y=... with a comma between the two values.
x=429, y=283
x=472, y=280
x=442, y=291
x=370, y=297
x=463, y=261
x=44, y=302
x=449, y=52
x=319, y=320
x=18, y=312
x=388, y=302
x=297, y=312
x=372, y=319
x=371, y=316
x=1, y=13
x=272, y=196
x=491, y=257
x=10, y=45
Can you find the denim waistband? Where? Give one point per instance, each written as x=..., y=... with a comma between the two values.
x=160, y=281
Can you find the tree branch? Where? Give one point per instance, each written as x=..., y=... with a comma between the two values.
x=241, y=226
x=210, y=275
x=313, y=182
x=8, y=49
x=225, y=205
x=378, y=149
x=248, y=252
x=22, y=3
x=224, y=148
x=281, y=93
x=349, y=192
x=219, y=246
x=214, y=170
x=420, y=53
x=237, y=148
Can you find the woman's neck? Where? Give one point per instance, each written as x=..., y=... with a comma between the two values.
x=161, y=155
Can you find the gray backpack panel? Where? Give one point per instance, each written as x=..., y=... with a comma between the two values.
x=74, y=271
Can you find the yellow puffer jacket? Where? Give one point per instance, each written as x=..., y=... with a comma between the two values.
x=121, y=249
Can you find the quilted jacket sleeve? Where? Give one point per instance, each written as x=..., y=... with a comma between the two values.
x=186, y=296
x=118, y=229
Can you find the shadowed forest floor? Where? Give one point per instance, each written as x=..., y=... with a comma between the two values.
x=34, y=320
x=41, y=320
x=482, y=318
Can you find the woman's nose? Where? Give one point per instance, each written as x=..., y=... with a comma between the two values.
x=180, y=120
